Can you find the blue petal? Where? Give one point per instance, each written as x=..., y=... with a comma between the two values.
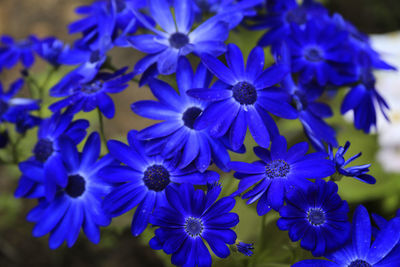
x=147, y=43
x=235, y=62
x=219, y=69
x=143, y=211
x=160, y=11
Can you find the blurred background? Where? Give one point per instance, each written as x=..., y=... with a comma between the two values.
x=19, y=18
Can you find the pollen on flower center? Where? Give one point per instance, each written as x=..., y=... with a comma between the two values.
x=43, y=150
x=178, y=40
x=75, y=186
x=359, y=263
x=277, y=169
x=190, y=115
x=316, y=216
x=244, y=93
x=156, y=178
x=314, y=54
x=94, y=56
x=194, y=226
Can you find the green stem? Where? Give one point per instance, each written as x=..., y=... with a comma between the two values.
x=101, y=128
x=14, y=149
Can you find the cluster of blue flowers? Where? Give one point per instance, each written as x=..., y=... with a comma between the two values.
x=163, y=169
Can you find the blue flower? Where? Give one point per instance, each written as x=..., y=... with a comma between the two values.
x=244, y=248
x=230, y=11
x=176, y=38
x=77, y=204
x=362, y=99
x=49, y=153
x=359, y=252
x=322, y=52
x=143, y=180
x=311, y=113
x=176, y=135
x=88, y=95
x=278, y=172
x=358, y=172
x=50, y=49
x=16, y=110
x=282, y=14
x=241, y=97
x=317, y=216
x=190, y=216
x=12, y=51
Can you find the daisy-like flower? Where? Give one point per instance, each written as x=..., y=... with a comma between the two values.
x=279, y=171
x=359, y=252
x=12, y=51
x=188, y=218
x=48, y=152
x=87, y=96
x=317, y=216
x=322, y=52
x=359, y=172
x=176, y=135
x=242, y=97
x=78, y=203
x=176, y=37
x=143, y=180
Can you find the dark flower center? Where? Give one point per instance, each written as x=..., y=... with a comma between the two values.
x=194, y=226
x=3, y=107
x=190, y=115
x=277, y=168
x=316, y=216
x=296, y=15
x=43, y=150
x=178, y=40
x=75, y=186
x=92, y=88
x=359, y=263
x=94, y=56
x=244, y=93
x=314, y=54
x=156, y=178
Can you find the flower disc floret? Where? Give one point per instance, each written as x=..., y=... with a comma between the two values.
x=244, y=93
x=178, y=40
x=156, y=178
x=277, y=168
x=190, y=116
x=316, y=216
x=359, y=263
x=76, y=186
x=194, y=226
x=314, y=54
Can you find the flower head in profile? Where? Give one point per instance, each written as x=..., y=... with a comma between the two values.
x=48, y=153
x=17, y=110
x=279, y=171
x=188, y=218
x=142, y=180
x=359, y=172
x=50, y=49
x=176, y=136
x=242, y=97
x=80, y=95
x=360, y=251
x=12, y=51
x=77, y=204
x=245, y=248
x=176, y=37
x=317, y=216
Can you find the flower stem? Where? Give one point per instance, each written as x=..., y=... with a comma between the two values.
x=101, y=128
